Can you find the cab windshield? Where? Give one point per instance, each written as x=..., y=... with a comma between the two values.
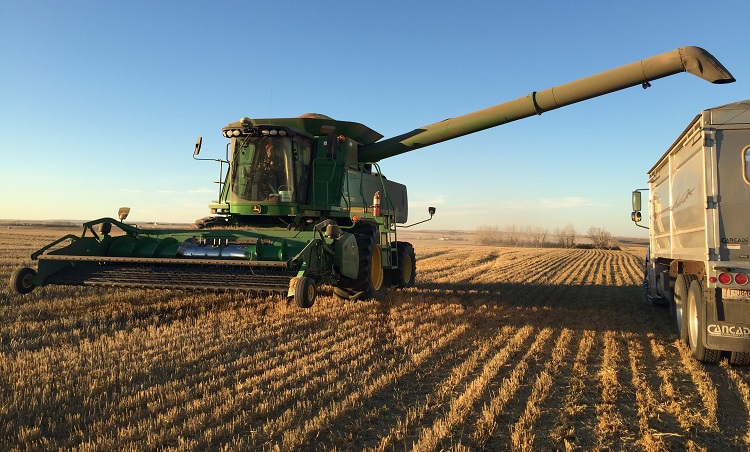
x=272, y=169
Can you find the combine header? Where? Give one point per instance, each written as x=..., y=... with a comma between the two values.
x=303, y=202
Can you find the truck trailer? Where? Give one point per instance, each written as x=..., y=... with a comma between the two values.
x=698, y=260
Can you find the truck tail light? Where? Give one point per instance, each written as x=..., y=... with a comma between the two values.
x=725, y=278
x=738, y=278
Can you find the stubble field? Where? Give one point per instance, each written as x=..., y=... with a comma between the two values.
x=495, y=349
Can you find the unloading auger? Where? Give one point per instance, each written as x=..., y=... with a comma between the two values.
x=303, y=202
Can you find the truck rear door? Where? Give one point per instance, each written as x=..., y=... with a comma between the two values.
x=733, y=180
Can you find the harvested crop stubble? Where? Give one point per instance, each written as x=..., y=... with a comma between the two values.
x=494, y=349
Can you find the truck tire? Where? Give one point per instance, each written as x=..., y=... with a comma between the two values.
x=739, y=358
x=646, y=286
x=22, y=280
x=371, y=281
x=696, y=325
x=406, y=273
x=679, y=303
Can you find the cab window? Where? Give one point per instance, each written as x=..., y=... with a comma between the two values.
x=262, y=169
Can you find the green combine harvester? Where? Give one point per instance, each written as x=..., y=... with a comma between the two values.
x=303, y=202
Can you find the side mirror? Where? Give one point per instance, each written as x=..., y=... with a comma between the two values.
x=430, y=210
x=198, y=146
x=123, y=213
x=637, y=201
x=636, y=215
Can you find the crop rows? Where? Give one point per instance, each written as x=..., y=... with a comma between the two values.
x=495, y=348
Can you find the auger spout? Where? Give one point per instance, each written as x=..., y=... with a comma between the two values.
x=694, y=60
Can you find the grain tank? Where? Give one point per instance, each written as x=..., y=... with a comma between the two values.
x=303, y=202
x=699, y=233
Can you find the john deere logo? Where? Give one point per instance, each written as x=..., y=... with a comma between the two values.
x=256, y=208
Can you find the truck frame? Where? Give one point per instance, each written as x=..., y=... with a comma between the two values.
x=698, y=261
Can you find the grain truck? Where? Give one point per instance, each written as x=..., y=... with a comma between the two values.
x=698, y=261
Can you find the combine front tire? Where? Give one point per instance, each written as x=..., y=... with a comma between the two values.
x=22, y=280
x=374, y=286
x=304, y=291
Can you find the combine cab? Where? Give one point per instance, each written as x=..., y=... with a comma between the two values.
x=302, y=202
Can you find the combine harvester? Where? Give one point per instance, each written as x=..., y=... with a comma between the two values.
x=303, y=202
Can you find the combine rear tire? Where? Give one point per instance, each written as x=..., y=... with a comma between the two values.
x=406, y=272
x=22, y=280
x=304, y=291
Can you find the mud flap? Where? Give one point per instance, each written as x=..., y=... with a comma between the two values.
x=720, y=334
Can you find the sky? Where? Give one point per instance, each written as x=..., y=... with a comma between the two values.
x=101, y=102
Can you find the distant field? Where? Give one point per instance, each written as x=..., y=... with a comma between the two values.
x=495, y=349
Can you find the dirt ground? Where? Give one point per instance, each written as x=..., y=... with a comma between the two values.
x=495, y=348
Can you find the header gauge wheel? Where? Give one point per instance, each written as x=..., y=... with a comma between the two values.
x=22, y=280
x=304, y=291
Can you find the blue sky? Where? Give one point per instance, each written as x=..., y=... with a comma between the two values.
x=101, y=102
